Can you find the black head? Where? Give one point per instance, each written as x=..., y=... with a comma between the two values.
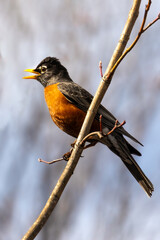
x=49, y=71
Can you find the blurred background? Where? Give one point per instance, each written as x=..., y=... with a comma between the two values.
x=102, y=200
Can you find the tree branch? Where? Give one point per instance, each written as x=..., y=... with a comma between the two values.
x=142, y=30
x=77, y=151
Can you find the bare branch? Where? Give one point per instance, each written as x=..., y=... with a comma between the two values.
x=51, y=162
x=150, y=24
x=117, y=125
x=142, y=30
x=100, y=68
x=132, y=16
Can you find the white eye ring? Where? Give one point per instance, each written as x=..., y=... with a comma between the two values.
x=43, y=68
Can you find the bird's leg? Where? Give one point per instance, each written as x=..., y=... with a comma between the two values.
x=67, y=155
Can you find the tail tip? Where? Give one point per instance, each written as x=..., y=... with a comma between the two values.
x=148, y=187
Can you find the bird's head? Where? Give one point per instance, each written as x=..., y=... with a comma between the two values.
x=49, y=71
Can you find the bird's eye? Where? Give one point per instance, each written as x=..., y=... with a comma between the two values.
x=43, y=69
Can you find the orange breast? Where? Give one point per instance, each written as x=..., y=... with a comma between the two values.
x=64, y=114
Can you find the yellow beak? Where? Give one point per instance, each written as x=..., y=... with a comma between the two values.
x=33, y=76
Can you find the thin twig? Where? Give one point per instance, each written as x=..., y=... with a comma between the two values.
x=117, y=125
x=100, y=123
x=150, y=24
x=132, y=16
x=51, y=162
x=142, y=30
x=65, y=157
x=100, y=68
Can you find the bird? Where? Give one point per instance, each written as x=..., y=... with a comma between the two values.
x=68, y=103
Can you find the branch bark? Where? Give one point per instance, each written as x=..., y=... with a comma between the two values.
x=77, y=151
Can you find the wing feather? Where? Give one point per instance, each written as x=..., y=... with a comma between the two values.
x=82, y=99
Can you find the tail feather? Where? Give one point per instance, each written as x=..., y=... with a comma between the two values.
x=139, y=175
x=123, y=149
x=133, y=150
x=134, y=168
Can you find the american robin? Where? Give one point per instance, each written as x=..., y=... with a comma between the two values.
x=68, y=103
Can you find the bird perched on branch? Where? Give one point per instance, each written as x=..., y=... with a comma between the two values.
x=68, y=103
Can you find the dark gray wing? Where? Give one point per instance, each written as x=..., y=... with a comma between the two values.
x=82, y=99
